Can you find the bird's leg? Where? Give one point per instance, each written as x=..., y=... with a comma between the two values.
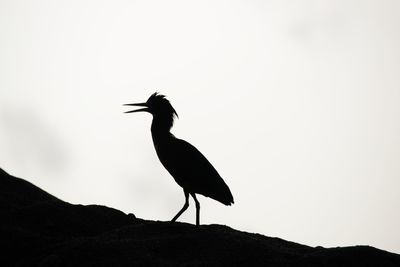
x=184, y=206
x=197, y=209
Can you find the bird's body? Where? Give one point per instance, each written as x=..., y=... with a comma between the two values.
x=190, y=169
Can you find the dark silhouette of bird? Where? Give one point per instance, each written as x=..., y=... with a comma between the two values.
x=190, y=169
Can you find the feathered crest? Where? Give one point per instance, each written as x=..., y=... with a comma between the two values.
x=162, y=108
x=160, y=101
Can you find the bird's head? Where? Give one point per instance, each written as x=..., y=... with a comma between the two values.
x=159, y=107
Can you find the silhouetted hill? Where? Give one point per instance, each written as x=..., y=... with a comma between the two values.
x=38, y=229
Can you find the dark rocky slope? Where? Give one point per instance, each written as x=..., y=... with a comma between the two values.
x=37, y=229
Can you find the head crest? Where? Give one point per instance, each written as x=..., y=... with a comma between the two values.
x=162, y=108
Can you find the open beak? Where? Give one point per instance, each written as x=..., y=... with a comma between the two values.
x=138, y=105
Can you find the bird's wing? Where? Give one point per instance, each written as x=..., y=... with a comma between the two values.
x=195, y=173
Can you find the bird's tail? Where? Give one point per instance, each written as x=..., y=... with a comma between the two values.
x=223, y=194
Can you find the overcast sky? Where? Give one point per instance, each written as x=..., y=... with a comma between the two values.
x=296, y=104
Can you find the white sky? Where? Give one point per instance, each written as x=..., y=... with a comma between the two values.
x=294, y=102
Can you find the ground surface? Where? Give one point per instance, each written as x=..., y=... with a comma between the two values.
x=37, y=229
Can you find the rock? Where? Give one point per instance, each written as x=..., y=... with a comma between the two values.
x=38, y=229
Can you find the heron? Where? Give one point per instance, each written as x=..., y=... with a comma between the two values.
x=186, y=164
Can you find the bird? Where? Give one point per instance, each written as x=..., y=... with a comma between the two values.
x=186, y=164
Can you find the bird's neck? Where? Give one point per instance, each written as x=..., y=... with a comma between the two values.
x=160, y=131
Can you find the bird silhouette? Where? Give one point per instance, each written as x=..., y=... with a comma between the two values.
x=190, y=169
